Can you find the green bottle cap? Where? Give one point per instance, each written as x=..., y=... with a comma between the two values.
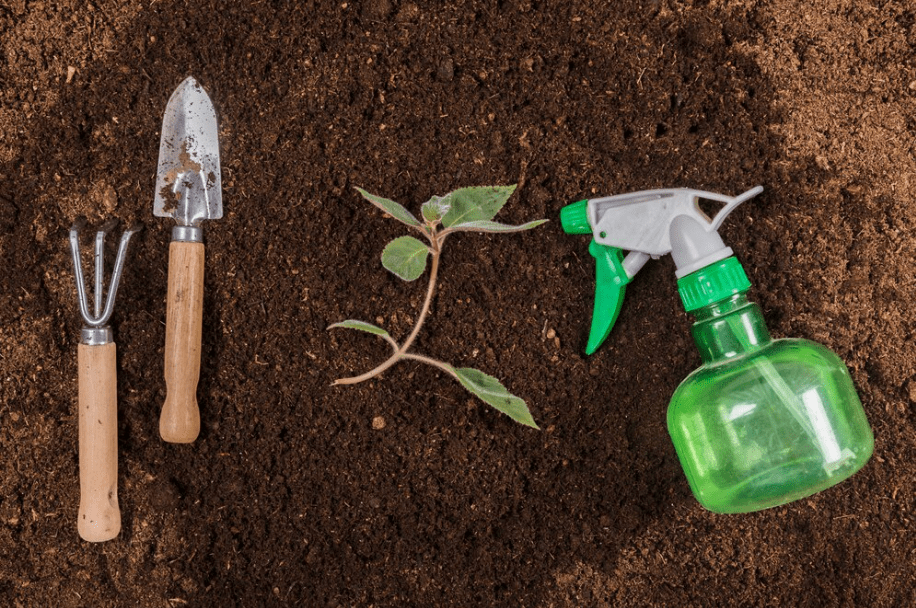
x=574, y=218
x=712, y=283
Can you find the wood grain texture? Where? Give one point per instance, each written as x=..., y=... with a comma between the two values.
x=180, y=418
x=99, y=516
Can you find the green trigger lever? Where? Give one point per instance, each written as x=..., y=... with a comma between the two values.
x=611, y=277
x=610, y=285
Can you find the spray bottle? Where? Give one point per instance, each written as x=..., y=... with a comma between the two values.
x=763, y=422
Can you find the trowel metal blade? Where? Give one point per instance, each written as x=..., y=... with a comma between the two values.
x=188, y=182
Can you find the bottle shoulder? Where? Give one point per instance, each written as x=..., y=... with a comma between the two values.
x=802, y=363
x=803, y=344
x=782, y=350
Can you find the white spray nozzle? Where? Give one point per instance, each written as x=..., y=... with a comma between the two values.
x=656, y=222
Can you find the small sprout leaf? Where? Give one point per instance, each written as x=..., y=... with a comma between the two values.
x=488, y=226
x=361, y=326
x=405, y=256
x=435, y=208
x=395, y=210
x=491, y=391
x=476, y=204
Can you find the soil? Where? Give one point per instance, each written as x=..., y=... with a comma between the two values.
x=405, y=490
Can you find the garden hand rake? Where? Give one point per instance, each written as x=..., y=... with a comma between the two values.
x=99, y=514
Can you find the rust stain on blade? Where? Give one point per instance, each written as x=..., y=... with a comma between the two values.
x=169, y=199
x=186, y=164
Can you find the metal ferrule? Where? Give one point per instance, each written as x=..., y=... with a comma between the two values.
x=188, y=234
x=96, y=336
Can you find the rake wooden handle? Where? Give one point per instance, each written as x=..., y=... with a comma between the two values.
x=180, y=418
x=99, y=516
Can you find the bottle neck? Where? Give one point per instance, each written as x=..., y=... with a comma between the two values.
x=729, y=328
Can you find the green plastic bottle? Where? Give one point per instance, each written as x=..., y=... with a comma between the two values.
x=763, y=422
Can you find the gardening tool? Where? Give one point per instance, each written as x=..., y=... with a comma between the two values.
x=99, y=517
x=188, y=189
x=763, y=422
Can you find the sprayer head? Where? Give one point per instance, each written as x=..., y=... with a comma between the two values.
x=650, y=223
x=658, y=222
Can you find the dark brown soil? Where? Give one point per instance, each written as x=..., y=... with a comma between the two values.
x=290, y=496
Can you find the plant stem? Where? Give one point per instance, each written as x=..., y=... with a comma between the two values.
x=435, y=251
x=434, y=362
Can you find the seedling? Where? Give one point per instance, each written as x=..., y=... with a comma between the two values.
x=464, y=210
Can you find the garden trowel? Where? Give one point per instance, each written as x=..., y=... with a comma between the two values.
x=189, y=189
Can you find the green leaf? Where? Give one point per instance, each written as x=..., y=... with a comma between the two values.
x=361, y=326
x=487, y=226
x=405, y=256
x=435, y=208
x=476, y=204
x=492, y=392
x=395, y=210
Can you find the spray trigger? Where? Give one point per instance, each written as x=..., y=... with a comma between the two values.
x=610, y=286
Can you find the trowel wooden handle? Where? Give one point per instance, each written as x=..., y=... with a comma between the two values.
x=180, y=419
x=99, y=514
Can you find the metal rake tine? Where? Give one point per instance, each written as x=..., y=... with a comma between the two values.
x=78, y=225
x=135, y=227
x=101, y=316
x=118, y=268
x=100, y=261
